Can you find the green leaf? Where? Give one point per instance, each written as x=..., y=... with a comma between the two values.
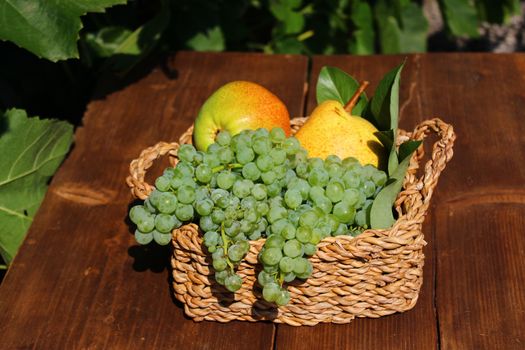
x=107, y=40
x=407, y=148
x=384, y=105
x=290, y=21
x=32, y=149
x=335, y=84
x=381, y=215
x=212, y=40
x=402, y=28
x=363, y=36
x=461, y=17
x=139, y=43
x=47, y=28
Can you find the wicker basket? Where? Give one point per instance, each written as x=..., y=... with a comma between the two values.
x=377, y=273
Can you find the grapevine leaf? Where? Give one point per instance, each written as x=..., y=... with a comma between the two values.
x=47, y=28
x=461, y=17
x=334, y=84
x=32, y=149
x=362, y=42
x=212, y=40
x=381, y=216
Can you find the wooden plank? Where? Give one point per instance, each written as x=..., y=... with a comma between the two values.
x=396, y=331
x=80, y=280
x=480, y=265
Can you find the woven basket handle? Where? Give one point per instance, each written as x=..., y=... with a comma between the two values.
x=138, y=167
x=441, y=154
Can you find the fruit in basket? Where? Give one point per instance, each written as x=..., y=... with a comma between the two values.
x=237, y=106
x=259, y=184
x=331, y=129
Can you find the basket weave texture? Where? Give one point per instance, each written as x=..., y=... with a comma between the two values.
x=377, y=273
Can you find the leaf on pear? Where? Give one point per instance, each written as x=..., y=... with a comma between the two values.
x=32, y=149
x=381, y=215
x=384, y=105
x=335, y=84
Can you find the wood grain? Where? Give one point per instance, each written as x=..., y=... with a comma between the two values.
x=395, y=331
x=80, y=281
x=479, y=220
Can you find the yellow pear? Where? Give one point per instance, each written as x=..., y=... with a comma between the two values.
x=331, y=129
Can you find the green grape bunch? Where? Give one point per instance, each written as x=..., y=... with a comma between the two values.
x=259, y=184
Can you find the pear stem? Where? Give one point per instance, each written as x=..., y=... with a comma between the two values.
x=353, y=101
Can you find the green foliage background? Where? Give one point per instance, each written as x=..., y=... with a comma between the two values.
x=107, y=40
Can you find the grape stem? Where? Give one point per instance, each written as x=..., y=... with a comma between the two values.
x=229, y=166
x=353, y=101
x=281, y=278
x=225, y=242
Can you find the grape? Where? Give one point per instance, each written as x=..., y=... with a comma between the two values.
x=310, y=249
x=318, y=177
x=217, y=215
x=288, y=231
x=220, y=276
x=136, y=213
x=262, y=208
x=250, y=171
x=259, y=192
x=303, y=234
x=369, y=188
x=211, y=238
x=293, y=248
x=207, y=224
x=351, y=180
x=315, y=163
x=264, y=162
x=289, y=277
x=245, y=155
x=277, y=135
x=242, y=188
x=265, y=278
x=203, y=173
x=223, y=138
x=225, y=180
x=278, y=156
x=233, y=229
x=143, y=238
x=220, y=264
x=226, y=155
x=255, y=235
x=334, y=192
x=165, y=223
x=274, y=241
x=276, y=213
x=271, y=292
x=333, y=159
x=198, y=157
x=287, y=264
x=308, y=271
x=271, y=256
x=184, y=212
x=379, y=178
x=186, y=152
x=342, y=229
x=344, y=212
x=185, y=169
x=300, y=266
x=302, y=170
x=236, y=252
x=161, y=238
x=166, y=202
x=185, y=194
x=283, y=298
x=350, y=162
x=301, y=185
x=324, y=204
x=360, y=218
x=351, y=196
x=149, y=207
x=274, y=189
x=204, y=207
x=261, y=132
x=308, y=218
x=291, y=145
x=280, y=171
x=163, y=183
x=268, y=177
x=233, y=283
x=293, y=198
x=146, y=223
x=251, y=215
x=261, y=145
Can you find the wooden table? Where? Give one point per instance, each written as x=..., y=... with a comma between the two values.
x=80, y=280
